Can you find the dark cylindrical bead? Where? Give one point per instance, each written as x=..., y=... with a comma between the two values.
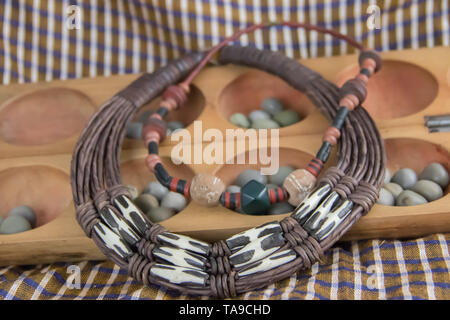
x=162, y=111
x=162, y=175
x=339, y=118
x=365, y=71
x=356, y=87
x=370, y=54
x=152, y=147
x=324, y=152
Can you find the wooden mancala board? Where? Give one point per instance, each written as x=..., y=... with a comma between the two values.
x=40, y=123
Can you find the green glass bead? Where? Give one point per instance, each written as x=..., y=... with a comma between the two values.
x=254, y=198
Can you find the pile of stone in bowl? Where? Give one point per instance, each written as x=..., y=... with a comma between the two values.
x=405, y=188
x=271, y=116
x=274, y=181
x=134, y=129
x=157, y=202
x=19, y=219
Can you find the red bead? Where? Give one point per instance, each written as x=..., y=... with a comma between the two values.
x=354, y=86
x=154, y=124
x=370, y=55
x=151, y=161
x=177, y=93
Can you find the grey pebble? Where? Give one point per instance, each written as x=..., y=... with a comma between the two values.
x=240, y=120
x=386, y=198
x=134, y=130
x=144, y=116
x=1, y=220
x=174, y=200
x=387, y=176
x=134, y=192
x=233, y=189
x=282, y=173
x=146, y=201
x=174, y=125
x=258, y=115
x=405, y=177
x=437, y=173
x=272, y=106
x=156, y=189
x=14, y=224
x=265, y=124
x=248, y=175
x=280, y=208
x=430, y=190
x=25, y=212
x=160, y=214
x=286, y=118
x=410, y=198
x=393, y=188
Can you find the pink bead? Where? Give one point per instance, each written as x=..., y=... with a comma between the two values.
x=363, y=78
x=151, y=161
x=151, y=136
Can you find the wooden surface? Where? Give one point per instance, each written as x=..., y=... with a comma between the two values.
x=411, y=85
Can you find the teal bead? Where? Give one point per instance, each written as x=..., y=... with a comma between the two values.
x=255, y=198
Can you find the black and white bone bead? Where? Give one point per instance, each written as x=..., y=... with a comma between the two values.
x=317, y=216
x=119, y=225
x=179, y=275
x=275, y=260
x=184, y=242
x=310, y=203
x=132, y=214
x=333, y=220
x=180, y=257
x=112, y=240
x=257, y=249
x=241, y=239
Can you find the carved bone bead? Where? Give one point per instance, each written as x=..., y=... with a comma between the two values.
x=298, y=184
x=180, y=257
x=336, y=216
x=310, y=203
x=179, y=275
x=241, y=239
x=112, y=240
x=184, y=242
x=206, y=189
x=119, y=225
x=314, y=220
x=269, y=263
x=132, y=214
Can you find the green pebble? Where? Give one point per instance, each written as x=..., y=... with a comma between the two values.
x=387, y=176
x=286, y=118
x=14, y=224
x=240, y=120
x=174, y=125
x=410, y=198
x=134, y=130
x=430, y=190
x=144, y=116
x=258, y=114
x=134, y=192
x=1, y=220
x=160, y=214
x=386, y=198
x=245, y=176
x=280, y=208
x=435, y=172
x=146, y=201
x=393, y=188
x=26, y=212
x=174, y=200
x=405, y=177
x=156, y=189
x=264, y=124
x=272, y=106
x=282, y=173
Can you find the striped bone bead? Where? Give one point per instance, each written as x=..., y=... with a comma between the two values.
x=184, y=242
x=257, y=249
x=336, y=216
x=241, y=239
x=310, y=203
x=179, y=275
x=269, y=263
x=119, y=226
x=319, y=215
x=113, y=241
x=180, y=257
x=132, y=214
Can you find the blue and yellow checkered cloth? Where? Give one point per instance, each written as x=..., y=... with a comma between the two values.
x=60, y=39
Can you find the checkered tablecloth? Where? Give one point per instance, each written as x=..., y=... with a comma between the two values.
x=60, y=39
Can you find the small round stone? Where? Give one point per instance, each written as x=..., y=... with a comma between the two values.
x=174, y=200
x=233, y=189
x=286, y=118
x=134, y=193
x=430, y=190
x=14, y=224
x=437, y=173
x=240, y=120
x=134, y=130
x=387, y=176
x=258, y=115
x=144, y=116
x=280, y=208
x=206, y=189
x=249, y=175
x=146, y=201
x=406, y=178
x=282, y=173
x=25, y=212
x=160, y=214
x=156, y=189
x=393, y=188
x=272, y=106
x=1, y=220
x=386, y=198
x=174, y=125
x=410, y=198
x=264, y=124
x=299, y=184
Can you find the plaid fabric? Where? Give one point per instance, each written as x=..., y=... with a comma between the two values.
x=116, y=37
